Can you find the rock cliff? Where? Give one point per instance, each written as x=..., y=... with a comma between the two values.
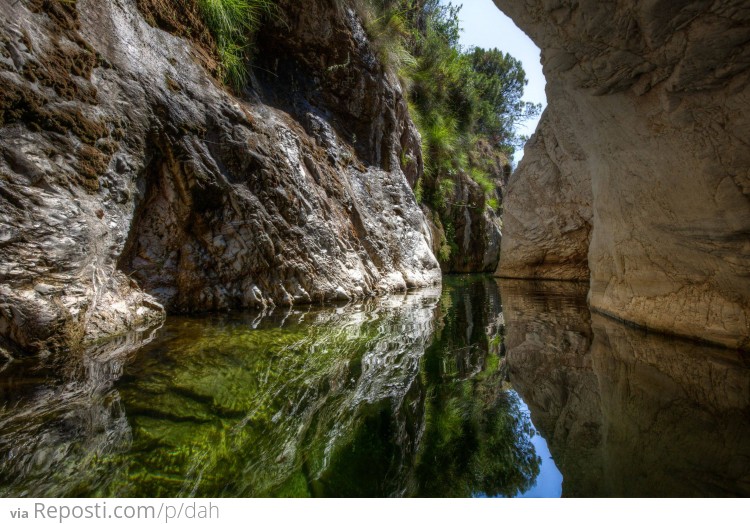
x=472, y=228
x=648, y=100
x=131, y=181
x=547, y=215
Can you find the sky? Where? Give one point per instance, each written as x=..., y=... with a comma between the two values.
x=484, y=25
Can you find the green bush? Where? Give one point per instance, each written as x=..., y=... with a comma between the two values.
x=462, y=101
x=483, y=179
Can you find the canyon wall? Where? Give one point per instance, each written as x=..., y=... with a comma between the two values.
x=653, y=96
x=547, y=214
x=473, y=230
x=132, y=182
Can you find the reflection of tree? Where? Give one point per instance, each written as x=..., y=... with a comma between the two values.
x=472, y=447
x=397, y=396
x=474, y=438
x=372, y=461
x=477, y=440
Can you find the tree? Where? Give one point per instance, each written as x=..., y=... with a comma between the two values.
x=499, y=82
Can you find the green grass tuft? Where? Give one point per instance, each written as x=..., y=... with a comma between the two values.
x=233, y=23
x=483, y=179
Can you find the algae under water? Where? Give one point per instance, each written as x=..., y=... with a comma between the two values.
x=430, y=393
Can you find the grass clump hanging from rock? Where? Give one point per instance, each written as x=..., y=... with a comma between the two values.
x=233, y=23
x=389, y=30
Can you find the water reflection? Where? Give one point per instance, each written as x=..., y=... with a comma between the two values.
x=401, y=396
x=59, y=415
x=627, y=413
x=432, y=393
x=478, y=438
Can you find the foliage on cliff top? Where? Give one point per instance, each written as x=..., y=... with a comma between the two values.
x=468, y=91
x=460, y=99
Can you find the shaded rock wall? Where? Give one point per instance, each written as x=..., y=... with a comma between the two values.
x=475, y=228
x=469, y=222
x=655, y=95
x=129, y=179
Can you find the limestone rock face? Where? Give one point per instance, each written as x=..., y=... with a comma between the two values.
x=131, y=181
x=547, y=213
x=655, y=95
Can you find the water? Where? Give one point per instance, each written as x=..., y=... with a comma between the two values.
x=439, y=392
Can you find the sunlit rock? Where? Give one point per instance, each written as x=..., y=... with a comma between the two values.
x=131, y=181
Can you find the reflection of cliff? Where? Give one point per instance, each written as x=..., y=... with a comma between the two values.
x=627, y=413
x=60, y=416
x=677, y=414
x=470, y=435
x=547, y=336
x=399, y=395
x=244, y=404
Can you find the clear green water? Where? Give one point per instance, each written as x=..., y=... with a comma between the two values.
x=433, y=393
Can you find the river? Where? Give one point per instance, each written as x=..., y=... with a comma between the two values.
x=483, y=388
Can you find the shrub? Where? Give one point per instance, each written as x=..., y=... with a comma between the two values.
x=483, y=179
x=462, y=101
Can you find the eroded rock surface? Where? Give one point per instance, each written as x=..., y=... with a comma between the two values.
x=130, y=180
x=656, y=96
x=547, y=214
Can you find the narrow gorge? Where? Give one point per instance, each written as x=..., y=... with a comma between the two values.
x=240, y=257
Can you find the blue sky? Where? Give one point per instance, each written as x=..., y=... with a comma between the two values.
x=486, y=26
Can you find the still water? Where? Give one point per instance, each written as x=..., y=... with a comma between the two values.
x=439, y=392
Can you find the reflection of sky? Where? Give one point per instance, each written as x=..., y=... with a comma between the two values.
x=486, y=26
x=549, y=481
